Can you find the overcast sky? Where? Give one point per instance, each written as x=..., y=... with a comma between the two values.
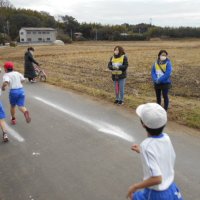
x=160, y=12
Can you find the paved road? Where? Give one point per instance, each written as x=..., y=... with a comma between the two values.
x=78, y=148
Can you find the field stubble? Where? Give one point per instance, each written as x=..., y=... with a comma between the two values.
x=83, y=67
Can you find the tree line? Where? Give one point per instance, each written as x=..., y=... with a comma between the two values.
x=12, y=19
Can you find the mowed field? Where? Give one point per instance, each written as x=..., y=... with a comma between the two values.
x=83, y=67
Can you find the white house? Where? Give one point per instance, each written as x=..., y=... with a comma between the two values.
x=37, y=35
x=78, y=34
x=124, y=34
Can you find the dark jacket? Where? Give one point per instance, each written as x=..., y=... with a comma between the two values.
x=29, y=71
x=122, y=68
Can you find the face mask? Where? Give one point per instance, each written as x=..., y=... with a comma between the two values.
x=31, y=52
x=116, y=52
x=162, y=58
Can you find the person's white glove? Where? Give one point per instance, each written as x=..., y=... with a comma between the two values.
x=115, y=67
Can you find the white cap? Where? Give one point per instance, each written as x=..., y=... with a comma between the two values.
x=152, y=115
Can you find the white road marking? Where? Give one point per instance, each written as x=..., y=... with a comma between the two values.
x=99, y=125
x=36, y=154
x=14, y=134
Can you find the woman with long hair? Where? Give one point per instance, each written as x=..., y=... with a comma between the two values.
x=118, y=65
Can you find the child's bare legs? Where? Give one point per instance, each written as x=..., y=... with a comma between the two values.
x=3, y=128
x=26, y=113
x=12, y=112
x=22, y=109
x=3, y=125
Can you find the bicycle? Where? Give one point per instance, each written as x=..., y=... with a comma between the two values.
x=40, y=73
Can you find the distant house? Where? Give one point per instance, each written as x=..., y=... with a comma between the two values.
x=78, y=35
x=124, y=34
x=37, y=35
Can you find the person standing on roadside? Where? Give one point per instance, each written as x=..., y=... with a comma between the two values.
x=160, y=73
x=29, y=61
x=118, y=64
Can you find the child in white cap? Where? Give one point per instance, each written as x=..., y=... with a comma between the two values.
x=157, y=156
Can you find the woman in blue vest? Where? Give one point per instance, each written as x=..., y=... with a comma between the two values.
x=118, y=64
x=160, y=73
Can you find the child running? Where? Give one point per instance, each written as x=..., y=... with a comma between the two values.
x=2, y=123
x=16, y=95
x=157, y=156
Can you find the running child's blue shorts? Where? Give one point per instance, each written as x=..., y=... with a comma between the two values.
x=172, y=193
x=17, y=97
x=2, y=112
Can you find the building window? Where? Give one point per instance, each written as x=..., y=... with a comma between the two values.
x=48, y=32
x=29, y=39
x=40, y=39
x=22, y=39
x=22, y=33
x=48, y=39
x=34, y=32
x=39, y=32
x=28, y=32
x=44, y=32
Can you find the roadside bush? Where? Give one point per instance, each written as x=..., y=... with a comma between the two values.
x=13, y=44
x=131, y=37
x=65, y=38
x=80, y=38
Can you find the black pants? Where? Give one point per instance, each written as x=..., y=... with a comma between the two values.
x=164, y=93
x=30, y=79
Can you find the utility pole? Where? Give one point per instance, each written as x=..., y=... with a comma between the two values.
x=8, y=28
x=71, y=33
x=150, y=21
x=68, y=27
x=4, y=34
x=96, y=35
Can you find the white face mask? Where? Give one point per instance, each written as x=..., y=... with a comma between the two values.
x=116, y=52
x=162, y=58
x=32, y=52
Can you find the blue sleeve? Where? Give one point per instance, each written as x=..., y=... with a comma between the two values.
x=153, y=73
x=167, y=74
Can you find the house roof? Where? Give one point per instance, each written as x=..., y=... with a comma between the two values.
x=38, y=29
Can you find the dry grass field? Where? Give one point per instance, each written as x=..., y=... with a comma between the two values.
x=83, y=67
